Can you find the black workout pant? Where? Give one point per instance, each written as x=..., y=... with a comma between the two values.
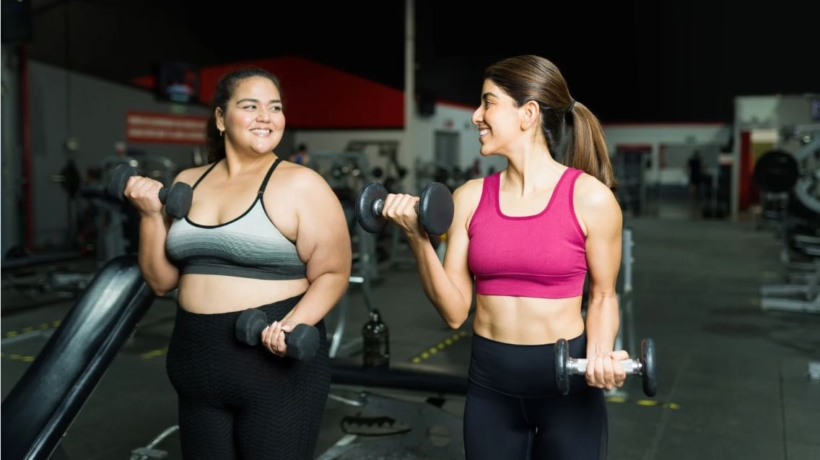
x=241, y=402
x=515, y=411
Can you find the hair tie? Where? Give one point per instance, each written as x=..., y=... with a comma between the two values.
x=571, y=106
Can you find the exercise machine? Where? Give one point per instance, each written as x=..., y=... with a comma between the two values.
x=44, y=402
x=799, y=175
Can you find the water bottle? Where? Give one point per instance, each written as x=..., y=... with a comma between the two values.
x=376, y=339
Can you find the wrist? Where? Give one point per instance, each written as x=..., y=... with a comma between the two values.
x=152, y=216
x=595, y=349
x=417, y=240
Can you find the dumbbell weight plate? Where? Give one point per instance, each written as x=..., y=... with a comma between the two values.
x=180, y=193
x=177, y=199
x=649, y=371
x=249, y=325
x=436, y=208
x=302, y=341
x=561, y=359
x=368, y=217
x=119, y=179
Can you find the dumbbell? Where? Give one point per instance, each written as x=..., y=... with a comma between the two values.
x=177, y=199
x=434, y=208
x=302, y=341
x=645, y=366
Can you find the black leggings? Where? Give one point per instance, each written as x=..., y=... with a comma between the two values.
x=241, y=402
x=515, y=411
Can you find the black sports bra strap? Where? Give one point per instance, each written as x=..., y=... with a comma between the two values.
x=267, y=176
x=205, y=174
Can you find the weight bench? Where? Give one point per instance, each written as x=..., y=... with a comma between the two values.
x=44, y=402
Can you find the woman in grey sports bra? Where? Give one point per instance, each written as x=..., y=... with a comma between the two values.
x=261, y=233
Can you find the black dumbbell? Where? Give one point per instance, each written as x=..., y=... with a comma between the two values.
x=435, y=208
x=177, y=199
x=302, y=341
x=645, y=366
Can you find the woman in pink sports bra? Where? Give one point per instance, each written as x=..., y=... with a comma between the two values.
x=528, y=237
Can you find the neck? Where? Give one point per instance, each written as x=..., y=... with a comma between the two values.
x=238, y=163
x=532, y=168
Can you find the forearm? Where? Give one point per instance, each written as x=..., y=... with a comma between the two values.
x=322, y=295
x=439, y=288
x=602, y=323
x=158, y=272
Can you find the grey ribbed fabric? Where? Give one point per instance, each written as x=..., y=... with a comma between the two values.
x=249, y=246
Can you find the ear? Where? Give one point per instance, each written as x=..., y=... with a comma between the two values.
x=530, y=115
x=220, y=120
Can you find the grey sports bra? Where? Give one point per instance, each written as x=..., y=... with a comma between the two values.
x=249, y=246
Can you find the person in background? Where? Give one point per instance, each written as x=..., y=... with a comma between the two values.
x=695, y=172
x=301, y=156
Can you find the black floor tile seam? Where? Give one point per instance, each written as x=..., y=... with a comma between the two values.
x=783, y=420
x=656, y=438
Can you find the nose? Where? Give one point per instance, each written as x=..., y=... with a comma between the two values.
x=476, y=118
x=263, y=115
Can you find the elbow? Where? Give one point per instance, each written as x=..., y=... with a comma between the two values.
x=455, y=322
x=603, y=298
x=160, y=289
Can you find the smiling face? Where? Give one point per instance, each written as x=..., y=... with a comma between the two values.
x=498, y=120
x=253, y=120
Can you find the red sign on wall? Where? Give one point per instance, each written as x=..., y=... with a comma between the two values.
x=160, y=128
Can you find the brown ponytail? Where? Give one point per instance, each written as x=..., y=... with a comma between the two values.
x=573, y=134
x=586, y=147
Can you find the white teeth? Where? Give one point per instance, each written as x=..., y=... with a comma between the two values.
x=260, y=131
x=482, y=132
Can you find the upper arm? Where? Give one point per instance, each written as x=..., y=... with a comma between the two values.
x=465, y=199
x=322, y=237
x=603, y=219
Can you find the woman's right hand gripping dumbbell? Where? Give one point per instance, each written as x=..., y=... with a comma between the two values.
x=400, y=209
x=143, y=193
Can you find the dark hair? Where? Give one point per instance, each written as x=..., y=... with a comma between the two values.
x=214, y=142
x=533, y=78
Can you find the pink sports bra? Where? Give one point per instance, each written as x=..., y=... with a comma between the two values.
x=543, y=255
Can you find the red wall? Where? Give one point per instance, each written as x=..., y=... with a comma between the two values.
x=318, y=96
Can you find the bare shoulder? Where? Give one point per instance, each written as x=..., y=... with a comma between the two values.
x=468, y=194
x=594, y=196
x=596, y=206
x=465, y=201
x=300, y=179
x=302, y=188
x=191, y=175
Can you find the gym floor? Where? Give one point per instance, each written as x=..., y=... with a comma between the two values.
x=733, y=379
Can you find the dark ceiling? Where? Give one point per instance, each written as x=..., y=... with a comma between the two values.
x=673, y=61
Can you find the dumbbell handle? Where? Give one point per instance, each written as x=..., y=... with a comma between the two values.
x=163, y=194
x=579, y=366
x=130, y=171
x=378, y=207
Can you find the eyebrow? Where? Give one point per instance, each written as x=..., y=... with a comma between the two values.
x=487, y=95
x=272, y=101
